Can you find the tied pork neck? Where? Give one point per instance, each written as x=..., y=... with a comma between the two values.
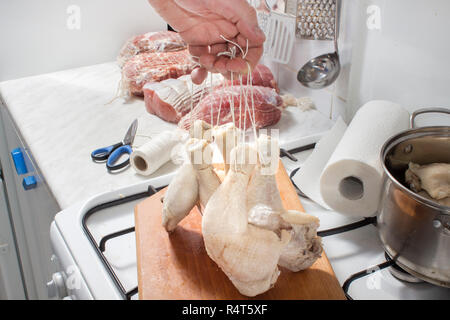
x=152, y=67
x=173, y=98
x=157, y=65
x=159, y=41
x=219, y=105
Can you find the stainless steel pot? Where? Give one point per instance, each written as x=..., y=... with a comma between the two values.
x=414, y=230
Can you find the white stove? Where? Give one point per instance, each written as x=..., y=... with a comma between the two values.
x=83, y=274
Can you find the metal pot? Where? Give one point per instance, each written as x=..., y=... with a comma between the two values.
x=414, y=230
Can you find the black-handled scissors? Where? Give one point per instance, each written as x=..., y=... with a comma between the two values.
x=112, y=153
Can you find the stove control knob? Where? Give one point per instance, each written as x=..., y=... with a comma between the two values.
x=56, y=288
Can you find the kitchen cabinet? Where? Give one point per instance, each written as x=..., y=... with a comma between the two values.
x=11, y=284
x=31, y=207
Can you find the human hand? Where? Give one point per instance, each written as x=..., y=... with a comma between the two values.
x=204, y=24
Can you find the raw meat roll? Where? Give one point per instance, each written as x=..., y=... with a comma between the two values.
x=218, y=105
x=154, y=67
x=171, y=99
x=160, y=41
x=261, y=76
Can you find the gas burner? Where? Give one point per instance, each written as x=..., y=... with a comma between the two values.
x=401, y=274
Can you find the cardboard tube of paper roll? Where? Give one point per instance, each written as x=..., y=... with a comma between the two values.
x=151, y=156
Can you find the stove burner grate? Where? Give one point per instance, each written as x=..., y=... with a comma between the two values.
x=394, y=269
x=400, y=274
x=364, y=273
x=101, y=246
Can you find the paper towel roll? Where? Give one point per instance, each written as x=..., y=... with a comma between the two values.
x=344, y=172
x=151, y=156
x=352, y=178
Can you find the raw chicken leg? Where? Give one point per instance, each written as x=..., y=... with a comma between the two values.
x=266, y=211
x=200, y=153
x=305, y=246
x=444, y=201
x=433, y=178
x=248, y=255
x=181, y=196
x=264, y=202
x=201, y=130
x=194, y=182
x=226, y=138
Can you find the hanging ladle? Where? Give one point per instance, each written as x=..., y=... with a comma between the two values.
x=323, y=70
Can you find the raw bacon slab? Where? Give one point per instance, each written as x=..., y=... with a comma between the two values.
x=154, y=67
x=218, y=105
x=171, y=99
x=160, y=41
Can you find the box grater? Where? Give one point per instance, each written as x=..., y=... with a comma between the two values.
x=316, y=19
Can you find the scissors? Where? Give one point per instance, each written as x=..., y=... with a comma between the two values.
x=112, y=153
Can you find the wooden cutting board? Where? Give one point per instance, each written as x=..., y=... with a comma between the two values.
x=176, y=266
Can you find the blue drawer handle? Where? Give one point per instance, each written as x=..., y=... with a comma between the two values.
x=19, y=161
x=29, y=183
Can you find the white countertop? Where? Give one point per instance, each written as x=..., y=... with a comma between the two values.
x=64, y=116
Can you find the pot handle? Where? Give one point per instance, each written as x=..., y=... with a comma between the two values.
x=427, y=110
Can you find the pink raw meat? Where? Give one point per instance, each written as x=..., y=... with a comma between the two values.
x=171, y=99
x=261, y=76
x=154, y=67
x=159, y=41
x=267, y=106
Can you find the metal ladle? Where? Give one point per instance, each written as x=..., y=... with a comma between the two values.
x=323, y=70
